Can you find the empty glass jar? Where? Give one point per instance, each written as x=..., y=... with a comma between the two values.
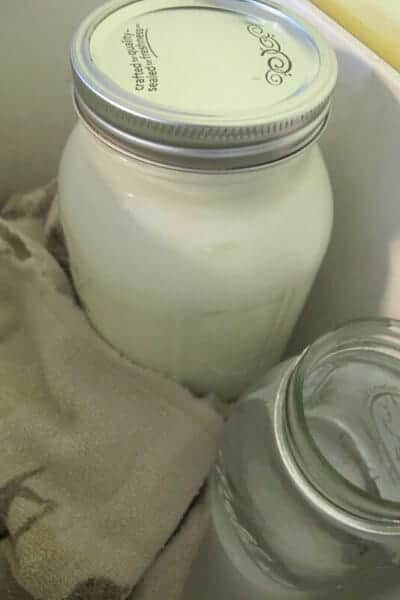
x=305, y=498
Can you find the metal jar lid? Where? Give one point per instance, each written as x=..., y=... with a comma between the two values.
x=203, y=84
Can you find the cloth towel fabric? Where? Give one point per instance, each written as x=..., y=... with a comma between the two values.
x=102, y=462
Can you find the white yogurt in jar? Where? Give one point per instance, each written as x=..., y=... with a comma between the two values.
x=194, y=198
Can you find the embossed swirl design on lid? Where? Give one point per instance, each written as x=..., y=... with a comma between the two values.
x=203, y=85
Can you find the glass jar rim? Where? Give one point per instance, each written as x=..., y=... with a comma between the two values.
x=318, y=481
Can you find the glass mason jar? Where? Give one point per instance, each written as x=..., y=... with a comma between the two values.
x=195, y=201
x=305, y=497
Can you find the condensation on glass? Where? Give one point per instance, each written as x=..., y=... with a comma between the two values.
x=194, y=198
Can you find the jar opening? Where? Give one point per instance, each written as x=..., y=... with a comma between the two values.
x=339, y=416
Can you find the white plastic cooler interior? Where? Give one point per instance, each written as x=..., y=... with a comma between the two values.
x=361, y=273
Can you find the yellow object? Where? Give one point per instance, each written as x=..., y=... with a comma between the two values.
x=374, y=22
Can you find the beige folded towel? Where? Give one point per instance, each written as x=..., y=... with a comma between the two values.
x=101, y=460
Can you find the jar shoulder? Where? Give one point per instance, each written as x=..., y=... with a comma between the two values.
x=292, y=197
x=291, y=177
